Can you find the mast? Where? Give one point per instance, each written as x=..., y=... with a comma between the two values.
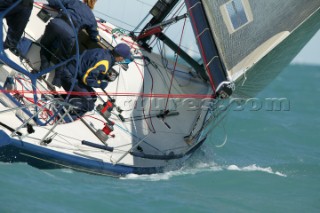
x=159, y=12
x=154, y=28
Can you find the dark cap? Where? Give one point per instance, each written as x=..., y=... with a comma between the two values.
x=123, y=50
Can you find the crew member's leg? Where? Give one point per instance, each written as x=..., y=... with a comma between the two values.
x=83, y=97
x=17, y=20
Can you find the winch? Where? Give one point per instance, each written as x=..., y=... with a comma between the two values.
x=106, y=109
x=105, y=133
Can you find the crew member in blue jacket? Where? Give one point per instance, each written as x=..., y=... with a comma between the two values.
x=17, y=20
x=59, y=36
x=94, y=70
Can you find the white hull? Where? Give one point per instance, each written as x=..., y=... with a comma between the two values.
x=145, y=145
x=164, y=114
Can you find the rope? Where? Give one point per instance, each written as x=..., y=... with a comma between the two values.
x=145, y=95
x=150, y=101
x=152, y=129
x=175, y=65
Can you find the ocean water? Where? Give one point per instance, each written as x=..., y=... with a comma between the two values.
x=270, y=162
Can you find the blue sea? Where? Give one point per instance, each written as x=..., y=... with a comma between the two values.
x=269, y=162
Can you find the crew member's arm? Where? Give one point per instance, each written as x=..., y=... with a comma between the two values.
x=92, y=30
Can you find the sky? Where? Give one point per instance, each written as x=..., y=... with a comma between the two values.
x=310, y=54
x=128, y=13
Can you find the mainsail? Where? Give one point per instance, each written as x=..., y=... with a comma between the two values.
x=245, y=31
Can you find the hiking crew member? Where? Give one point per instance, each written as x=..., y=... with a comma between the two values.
x=94, y=69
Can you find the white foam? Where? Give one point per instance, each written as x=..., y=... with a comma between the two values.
x=255, y=168
x=199, y=168
x=153, y=177
x=67, y=171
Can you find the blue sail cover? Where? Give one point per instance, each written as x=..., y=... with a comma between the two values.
x=207, y=46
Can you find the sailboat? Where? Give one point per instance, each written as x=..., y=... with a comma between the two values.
x=157, y=111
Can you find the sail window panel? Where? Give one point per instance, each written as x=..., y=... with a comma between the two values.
x=239, y=8
x=237, y=13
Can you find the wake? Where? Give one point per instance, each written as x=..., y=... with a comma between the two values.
x=202, y=168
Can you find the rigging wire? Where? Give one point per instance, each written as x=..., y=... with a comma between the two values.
x=121, y=21
x=172, y=15
x=142, y=2
x=178, y=11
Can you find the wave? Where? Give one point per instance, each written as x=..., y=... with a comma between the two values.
x=201, y=168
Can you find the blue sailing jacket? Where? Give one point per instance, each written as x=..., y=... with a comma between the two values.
x=80, y=14
x=94, y=66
